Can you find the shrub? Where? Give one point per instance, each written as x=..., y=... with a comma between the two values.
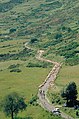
x=12, y=30
x=33, y=40
x=24, y=53
x=58, y=36
x=4, y=7
x=33, y=100
x=13, y=66
x=15, y=70
x=72, y=61
x=39, y=64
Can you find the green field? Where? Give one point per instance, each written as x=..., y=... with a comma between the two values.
x=50, y=25
x=25, y=82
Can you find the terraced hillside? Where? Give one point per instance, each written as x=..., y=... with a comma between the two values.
x=54, y=25
x=50, y=25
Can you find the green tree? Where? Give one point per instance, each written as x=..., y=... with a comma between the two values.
x=12, y=104
x=33, y=40
x=58, y=36
x=70, y=93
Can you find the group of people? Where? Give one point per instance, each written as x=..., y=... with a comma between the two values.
x=42, y=93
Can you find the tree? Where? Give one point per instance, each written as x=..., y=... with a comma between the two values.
x=70, y=93
x=12, y=30
x=33, y=40
x=12, y=104
x=58, y=36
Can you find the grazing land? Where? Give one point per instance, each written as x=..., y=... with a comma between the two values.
x=49, y=25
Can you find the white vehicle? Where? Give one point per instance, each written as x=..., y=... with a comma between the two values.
x=56, y=111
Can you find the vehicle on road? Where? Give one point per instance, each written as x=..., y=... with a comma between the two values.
x=56, y=111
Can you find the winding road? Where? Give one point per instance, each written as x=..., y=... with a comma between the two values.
x=43, y=100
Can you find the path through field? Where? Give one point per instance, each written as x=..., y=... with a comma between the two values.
x=43, y=100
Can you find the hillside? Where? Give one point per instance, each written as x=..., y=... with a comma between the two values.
x=50, y=25
x=55, y=25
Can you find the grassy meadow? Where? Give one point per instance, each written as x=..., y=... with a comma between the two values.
x=50, y=25
x=25, y=82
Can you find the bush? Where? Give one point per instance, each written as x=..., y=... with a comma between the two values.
x=58, y=36
x=4, y=7
x=72, y=61
x=72, y=45
x=38, y=64
x=13, y=66
x=24, y=53
x=12, y=30
x=33, y=100
x=69, y=52
x=15, y=70
x=33, y=40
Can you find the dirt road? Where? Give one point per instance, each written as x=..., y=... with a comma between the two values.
x=43, y=100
